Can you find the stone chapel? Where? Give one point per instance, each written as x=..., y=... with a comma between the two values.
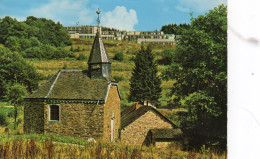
x=77, y=103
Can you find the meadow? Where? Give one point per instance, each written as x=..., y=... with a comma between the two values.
x=46, y=146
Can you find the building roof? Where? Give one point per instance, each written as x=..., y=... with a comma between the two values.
x=131, y=108
x=98, y=52
x=128, y=118
x=165, y=133
x=74, y=85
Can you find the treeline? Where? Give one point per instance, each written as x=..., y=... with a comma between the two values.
x=35, y=38
x=175, y=29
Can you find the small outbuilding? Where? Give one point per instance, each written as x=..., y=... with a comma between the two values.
x=141, y=125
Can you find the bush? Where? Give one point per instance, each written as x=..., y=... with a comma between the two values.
x=167, y=57
x=3, y=120
x=118, y=78
x=82, y=57
x=119, y=56
x=64, y=66
x=78, y=49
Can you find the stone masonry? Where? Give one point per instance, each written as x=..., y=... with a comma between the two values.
x=135, y=133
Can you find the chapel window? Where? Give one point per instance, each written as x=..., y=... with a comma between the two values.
x=54, y=112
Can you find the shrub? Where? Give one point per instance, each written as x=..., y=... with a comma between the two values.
x=167, y=57
x=118, y=78
x=78, y=49
x=119, y=56
x=82, y=57
x=64, y=66
x=3, y=120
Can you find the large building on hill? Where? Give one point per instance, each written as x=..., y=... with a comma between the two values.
x=78, y=103
x=154, y=37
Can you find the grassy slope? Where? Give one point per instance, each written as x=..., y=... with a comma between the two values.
x=119, y=69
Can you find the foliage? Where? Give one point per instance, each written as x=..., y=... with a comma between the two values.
x=82, y=57
x=49, y=32
x=14, y=69
x=35, y=37
x=3, y=120
x=145, y=84
x=174, y=28
x=16, y=93
x=201, y=72
x=118, y=78
x=167, y=56
x=119, y=56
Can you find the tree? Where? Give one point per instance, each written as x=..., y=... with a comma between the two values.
x=145, y=84
x=15, y=95
x=201, y=72
x=14, y=69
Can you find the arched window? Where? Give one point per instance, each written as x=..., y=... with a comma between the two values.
x=54, y=113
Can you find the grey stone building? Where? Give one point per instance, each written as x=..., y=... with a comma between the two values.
x=78, y=103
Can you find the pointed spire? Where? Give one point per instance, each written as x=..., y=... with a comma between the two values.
x=98, y=52
x=99, y=62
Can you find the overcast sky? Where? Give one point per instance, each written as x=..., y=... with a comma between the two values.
x=143, y=15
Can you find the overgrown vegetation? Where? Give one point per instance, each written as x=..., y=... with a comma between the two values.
x=39, y=146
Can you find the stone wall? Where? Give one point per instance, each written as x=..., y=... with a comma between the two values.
x=76, y=120
x=33, y=117
x=112, y=109
x=135, y=133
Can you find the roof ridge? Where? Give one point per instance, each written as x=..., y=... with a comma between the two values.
x=53, y=84
x=68, y=70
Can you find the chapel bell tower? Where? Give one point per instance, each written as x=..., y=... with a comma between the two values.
x=99, y=63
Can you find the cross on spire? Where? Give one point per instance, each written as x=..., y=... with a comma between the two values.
x=98, y=20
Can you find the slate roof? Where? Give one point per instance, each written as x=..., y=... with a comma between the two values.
x=128, y=118
x=165, y=133
x=98, y=52
x=129, y=109
x=72, y=84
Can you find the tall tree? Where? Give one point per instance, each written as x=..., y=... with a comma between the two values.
x=201, y=72
x=145, y=84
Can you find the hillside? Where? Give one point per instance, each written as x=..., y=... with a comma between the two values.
x=121, y=70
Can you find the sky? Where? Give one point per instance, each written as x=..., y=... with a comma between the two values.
x=141, y=15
